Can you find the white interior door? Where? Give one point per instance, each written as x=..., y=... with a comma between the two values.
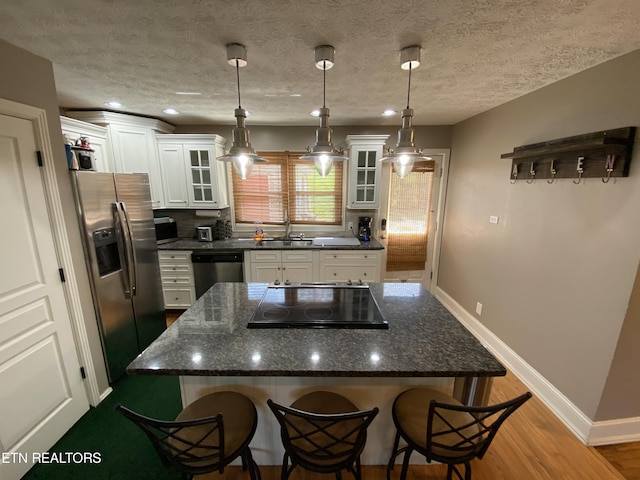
x=41, y=393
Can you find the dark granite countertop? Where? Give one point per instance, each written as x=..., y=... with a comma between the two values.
x=423, y=340
x=249, y=244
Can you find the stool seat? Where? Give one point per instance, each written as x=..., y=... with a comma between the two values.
x=206, y=435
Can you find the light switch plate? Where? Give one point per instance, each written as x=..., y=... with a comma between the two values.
x=478, y=308
x=493, y=219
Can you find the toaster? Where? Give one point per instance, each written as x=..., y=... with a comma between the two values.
x=204, y=234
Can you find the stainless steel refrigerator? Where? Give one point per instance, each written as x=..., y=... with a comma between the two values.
x=122, y=257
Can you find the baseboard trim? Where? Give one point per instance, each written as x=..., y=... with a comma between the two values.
x=106, y=393
x=615, y=431
x=581, y=426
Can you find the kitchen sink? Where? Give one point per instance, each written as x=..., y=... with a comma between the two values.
x=293, y=243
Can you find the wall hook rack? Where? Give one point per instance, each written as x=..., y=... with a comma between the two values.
x=602, y=155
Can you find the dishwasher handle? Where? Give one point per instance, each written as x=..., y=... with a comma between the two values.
x=217, y=257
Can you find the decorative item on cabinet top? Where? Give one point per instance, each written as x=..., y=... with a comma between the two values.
x=602, y=154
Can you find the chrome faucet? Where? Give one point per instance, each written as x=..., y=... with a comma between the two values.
x=287, y=228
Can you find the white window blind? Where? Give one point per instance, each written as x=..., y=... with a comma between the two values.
x=408, y=218
x=286, y=184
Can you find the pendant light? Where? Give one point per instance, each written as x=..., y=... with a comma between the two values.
x=323, y=153
x=240, y=154
x=406, y=154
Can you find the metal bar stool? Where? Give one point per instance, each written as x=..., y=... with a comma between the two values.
x=206, y=436
x=322, y=432
x=441, y=428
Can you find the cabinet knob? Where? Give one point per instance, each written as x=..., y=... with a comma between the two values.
x=366, y=256
x=335, y=274
x=175, y=281
x=335, y=256
x=365, y=274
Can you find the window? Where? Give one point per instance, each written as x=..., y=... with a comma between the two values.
x=408, y=218
x=288, y=185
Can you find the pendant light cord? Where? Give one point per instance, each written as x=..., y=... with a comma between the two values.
x=238, y=79
x=409, y=88
x=324, y=83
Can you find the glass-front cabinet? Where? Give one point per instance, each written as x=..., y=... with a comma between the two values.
x=365, y=152
x=192, y=178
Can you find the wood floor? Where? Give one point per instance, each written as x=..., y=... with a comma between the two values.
x=532, y=445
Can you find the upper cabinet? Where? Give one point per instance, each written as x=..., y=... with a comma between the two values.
x=133, y=144
x=98, y=139
x=365, y=152
x=191, y=175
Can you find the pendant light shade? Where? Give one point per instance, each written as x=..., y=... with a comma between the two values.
x=406, y=153
x=324, y=154
x=240, y=154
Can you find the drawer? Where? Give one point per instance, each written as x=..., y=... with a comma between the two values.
x=343, y=273
x=183, y=281
x=174, y=256
x=266, y=256
x=179, y=297
x=341, y=256
x=297, y=256
x=176, y=268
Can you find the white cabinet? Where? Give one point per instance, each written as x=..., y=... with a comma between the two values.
x=345, y=265
x=98, y=139
x=191, y=175
x=281, y=265
x=365, y=152
x=133, y=144
x=176, y=273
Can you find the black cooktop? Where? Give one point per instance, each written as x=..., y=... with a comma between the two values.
x=312, y=305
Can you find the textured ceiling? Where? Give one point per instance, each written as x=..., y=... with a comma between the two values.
x=476, y=53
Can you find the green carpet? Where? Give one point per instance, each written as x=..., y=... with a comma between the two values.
x=126, y=453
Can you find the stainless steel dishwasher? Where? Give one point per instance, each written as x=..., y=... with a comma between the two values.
x=216, y=267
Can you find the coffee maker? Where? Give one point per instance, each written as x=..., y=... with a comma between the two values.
x=364, y=228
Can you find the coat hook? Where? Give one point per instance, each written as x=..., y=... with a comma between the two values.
x=553, y=172
x=609, y=164
x=532, y=174
x=579, y=169
x=514, y=174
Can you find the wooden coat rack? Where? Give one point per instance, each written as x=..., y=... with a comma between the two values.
x=603, y=154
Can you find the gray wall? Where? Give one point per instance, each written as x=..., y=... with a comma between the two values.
x=28, y=79
x=556, y=273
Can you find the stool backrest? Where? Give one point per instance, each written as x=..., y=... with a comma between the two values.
x=465, y=432
x=334, y=441
x=190, y=446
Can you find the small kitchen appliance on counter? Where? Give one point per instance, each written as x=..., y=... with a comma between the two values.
x=221, y=230
x=166, y=230
x=364, y=228
x=204, y=233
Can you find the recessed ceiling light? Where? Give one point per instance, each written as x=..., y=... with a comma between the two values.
x=171, y=111
x=389, y=113
x=270, y=94
x=295, y=95
x=315, y=113
x=188, y=93
x=114, y=104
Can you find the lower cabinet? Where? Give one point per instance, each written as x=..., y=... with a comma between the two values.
x=176, y=272
x=281, y=265
x=345, y=265
x=313, y=266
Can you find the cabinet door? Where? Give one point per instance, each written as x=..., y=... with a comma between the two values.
x=134, y=150
x=365, y=152
x=202, y=173
x=266, y=272
x=297, y=272
x=174, y=178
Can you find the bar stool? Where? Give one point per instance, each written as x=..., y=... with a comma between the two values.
x=206, y=436
x=441, y=428
x=322, y=432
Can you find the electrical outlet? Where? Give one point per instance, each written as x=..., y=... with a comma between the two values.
x=350, y=225
x=493, y=219
x=478, y=308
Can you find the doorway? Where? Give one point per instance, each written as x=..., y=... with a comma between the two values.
x=413, y=208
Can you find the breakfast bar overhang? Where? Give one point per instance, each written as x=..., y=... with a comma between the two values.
x=211, y=348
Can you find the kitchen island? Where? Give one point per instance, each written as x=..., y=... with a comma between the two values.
x=211, y=348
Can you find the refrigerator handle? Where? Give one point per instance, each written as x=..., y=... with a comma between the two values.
x=123, y=247
x=133, y=260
